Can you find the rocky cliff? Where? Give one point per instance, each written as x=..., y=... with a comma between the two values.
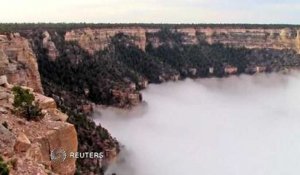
x=98, y=39
x=18, y=62
x=26, y=145
x=49, y=45
x=285, y=38
x=93, y=40
x=109, y=65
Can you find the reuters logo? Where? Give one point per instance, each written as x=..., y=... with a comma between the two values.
x=58, y=155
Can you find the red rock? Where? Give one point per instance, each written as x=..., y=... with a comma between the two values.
x=18, y=50
x=22, y=143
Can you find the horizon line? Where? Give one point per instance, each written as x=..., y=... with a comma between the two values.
x=147, y=23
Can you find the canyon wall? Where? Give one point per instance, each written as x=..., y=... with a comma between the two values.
x=93, y=40
x=18, y=62
x=280, y=39
x=253, y=38
x=26, y=145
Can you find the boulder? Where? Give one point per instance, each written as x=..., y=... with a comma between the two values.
x=45, y=102
x=64, y=138
x=55, y=115
x=22, y=143
x=3, y=80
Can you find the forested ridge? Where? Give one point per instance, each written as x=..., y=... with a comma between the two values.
x=17, y=27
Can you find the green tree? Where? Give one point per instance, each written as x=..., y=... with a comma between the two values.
x=25, y=105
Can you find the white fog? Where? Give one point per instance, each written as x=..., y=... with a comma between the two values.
x=241, y=125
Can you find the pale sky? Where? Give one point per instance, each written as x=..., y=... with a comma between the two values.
x=151, y=11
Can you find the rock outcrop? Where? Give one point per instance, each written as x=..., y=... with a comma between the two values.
x=18, y=62
x=27, y=144
x=49, y=45
x=252, y=38
x=126, y=98
x=93, y=40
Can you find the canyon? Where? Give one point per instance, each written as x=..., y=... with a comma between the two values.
x=93, y=40
x=79, y=68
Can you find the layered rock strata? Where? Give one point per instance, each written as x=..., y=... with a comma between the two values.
x=26, y=145
x=18, y=62
x=93, y=40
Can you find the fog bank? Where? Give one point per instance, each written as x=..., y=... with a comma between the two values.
x=246, y=125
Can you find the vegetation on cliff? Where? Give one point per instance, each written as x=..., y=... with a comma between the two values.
x=4, y=170
x=66, y=80
x=16, y=27
x=114, y=75
x=25, y=104
x=92, y=138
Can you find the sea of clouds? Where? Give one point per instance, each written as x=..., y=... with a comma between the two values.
x=240, y=125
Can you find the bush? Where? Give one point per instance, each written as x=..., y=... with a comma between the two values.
x=4, y=170
x=25, y=105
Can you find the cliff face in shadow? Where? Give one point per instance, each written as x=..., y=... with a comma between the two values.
x=109, y=65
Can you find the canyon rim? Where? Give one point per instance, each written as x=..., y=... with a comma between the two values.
x=72, y=68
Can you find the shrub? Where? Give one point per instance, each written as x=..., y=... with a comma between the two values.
x=4, y=170
x=25, y=105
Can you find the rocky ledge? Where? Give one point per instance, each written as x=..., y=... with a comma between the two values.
x=93, y=40
x=26, y=145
